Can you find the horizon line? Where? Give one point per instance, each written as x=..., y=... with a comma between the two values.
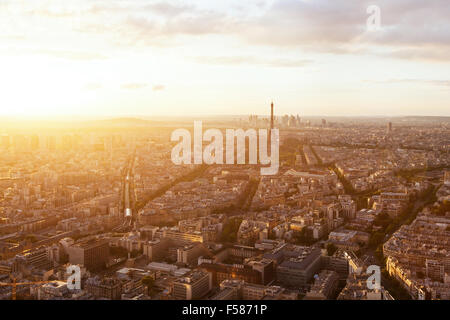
x=78, y=117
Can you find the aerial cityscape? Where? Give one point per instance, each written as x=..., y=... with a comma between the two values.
x=181, y=151
x=348, y=194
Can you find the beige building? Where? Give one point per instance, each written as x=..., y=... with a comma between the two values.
x=193, y=286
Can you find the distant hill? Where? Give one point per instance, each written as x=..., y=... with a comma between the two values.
x=123, y=122
x=426, y=118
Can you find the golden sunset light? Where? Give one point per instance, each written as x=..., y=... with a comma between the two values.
x=209, y=159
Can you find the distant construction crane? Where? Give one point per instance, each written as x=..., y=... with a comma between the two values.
x=14, y=285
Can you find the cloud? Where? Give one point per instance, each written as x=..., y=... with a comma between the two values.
x=158, y=87
x=192, y=22
x=72, y=55
x=410, y=29
x=445, y=83
x=155, y=24
x=136, y=85
x=430, y=53
x=133, y=86
x=168, y=10
x=246, y=60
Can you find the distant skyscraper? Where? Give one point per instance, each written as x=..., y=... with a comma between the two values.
x=285, y=120
x=271, y=115
x=389, y=127
x=253, y=120
x=292, y=121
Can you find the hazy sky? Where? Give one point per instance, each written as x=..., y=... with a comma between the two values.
x=144, y=57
